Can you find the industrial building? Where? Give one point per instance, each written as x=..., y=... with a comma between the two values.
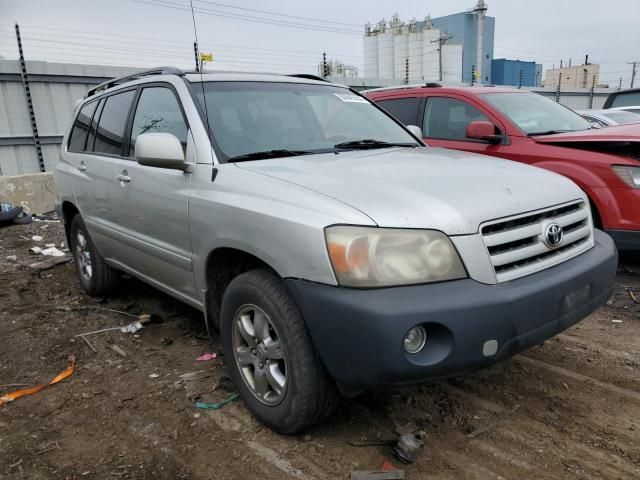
x=516, y=73
x=577, y=76
x=453, y=49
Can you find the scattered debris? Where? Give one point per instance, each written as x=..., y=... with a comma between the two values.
x=35, y=250
x=49, y=263
x=616, y=321
x=218, y=405
x=199, y=375
x=132, y=327
x=48, y=449
x=154, y=375
x=12, y=258
x=10, y=397
x=53, y=252
x=632, y=295
x=408, y=447
x=89, y=344
x=36, y=238
x=205, y=357
x=377, y=475
x=492, y=424
x=118, y=350
x=373, y=443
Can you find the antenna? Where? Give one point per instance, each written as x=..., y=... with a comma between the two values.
x=204, y=98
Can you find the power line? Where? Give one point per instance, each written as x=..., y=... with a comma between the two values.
x=277, y=13
x=248, y=18
x=155, y=41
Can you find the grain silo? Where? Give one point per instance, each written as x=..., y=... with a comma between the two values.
x=415, y=52
x=430, y=55
x=451, y=63
x=370, y=52
x=400, y=48
x=385, y=51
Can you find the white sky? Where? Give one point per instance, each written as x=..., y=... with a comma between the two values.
x=545, y=31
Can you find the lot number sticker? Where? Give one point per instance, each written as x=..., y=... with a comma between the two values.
x=350, y=97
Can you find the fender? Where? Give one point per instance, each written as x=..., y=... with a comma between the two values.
x=595, y=187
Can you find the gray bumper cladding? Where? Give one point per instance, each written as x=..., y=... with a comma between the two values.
x=359, y=333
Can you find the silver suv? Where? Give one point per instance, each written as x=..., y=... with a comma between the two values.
x=331, y=248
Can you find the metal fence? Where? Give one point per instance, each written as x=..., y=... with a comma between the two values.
x=54, y=89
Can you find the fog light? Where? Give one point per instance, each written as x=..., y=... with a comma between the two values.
x=415, y=339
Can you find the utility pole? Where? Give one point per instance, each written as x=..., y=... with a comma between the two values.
x=633, y=72
x=324, y=64
x=440, y=41
x=586, y=59
x=195, y=52
x=406, y=71
x=520, y=79
x=27, y=92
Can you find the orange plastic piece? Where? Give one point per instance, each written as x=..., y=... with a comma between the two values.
x=10, y=397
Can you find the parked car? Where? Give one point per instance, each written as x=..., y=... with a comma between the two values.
x=624, y=99
x=529, y=128
x=328, y=245
x=609, y=117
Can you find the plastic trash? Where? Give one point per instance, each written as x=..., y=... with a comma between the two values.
x=206, y=357
x=218, y=405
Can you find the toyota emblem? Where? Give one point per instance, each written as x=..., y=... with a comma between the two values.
x=553, y=235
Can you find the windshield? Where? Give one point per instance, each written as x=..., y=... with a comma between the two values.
x=535, y=114
x=284, y=119
x=622, y=117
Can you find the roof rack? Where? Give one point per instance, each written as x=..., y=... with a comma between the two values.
x=404, y=87
x=308, y=76
x=134, y=76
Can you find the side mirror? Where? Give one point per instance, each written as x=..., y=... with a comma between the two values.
x=162, y=150
x=417, y=131
x=483, y=130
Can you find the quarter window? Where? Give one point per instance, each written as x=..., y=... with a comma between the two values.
x=112, y=123
x=78, y=137
x=447, y=118
x=404, y=109
x=158, y=111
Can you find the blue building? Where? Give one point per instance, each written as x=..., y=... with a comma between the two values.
x=462, y=28
x=508, y=72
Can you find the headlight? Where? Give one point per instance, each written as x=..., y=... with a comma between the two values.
x=377, y=257
x=629, y=175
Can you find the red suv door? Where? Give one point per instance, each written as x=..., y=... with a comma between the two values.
x=445, y=119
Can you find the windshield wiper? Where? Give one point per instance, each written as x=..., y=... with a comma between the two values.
x=549, y=132
x=370, y=143
x=268, y=154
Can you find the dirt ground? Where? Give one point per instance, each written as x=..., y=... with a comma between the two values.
x=132, y=416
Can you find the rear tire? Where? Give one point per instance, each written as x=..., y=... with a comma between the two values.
x=96, y=277
x=270, y=355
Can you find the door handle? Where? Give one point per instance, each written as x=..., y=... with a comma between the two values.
x=82, y=167
x=123, y=177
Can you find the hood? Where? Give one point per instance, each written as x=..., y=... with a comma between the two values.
x=435, y=188
x=619, y=133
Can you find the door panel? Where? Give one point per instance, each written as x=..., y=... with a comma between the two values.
x=152, y=203
x=445, y=122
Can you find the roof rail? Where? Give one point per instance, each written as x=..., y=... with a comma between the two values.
x=134, y=76
x=404, y=87
x=308, y=76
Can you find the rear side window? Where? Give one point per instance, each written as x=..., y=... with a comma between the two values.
x=630, y=99
x=78, y=137
x=158, y=111
x=447, y=118
x=111, y=126
x=404, y=109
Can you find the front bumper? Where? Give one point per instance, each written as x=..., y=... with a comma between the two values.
x=626, y=240
x=359, y=333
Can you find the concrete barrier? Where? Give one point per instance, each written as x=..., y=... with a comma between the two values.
x=35, y=192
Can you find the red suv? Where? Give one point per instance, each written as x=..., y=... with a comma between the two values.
x=529, y=128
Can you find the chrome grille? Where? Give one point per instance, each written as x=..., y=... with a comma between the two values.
x=517, y=245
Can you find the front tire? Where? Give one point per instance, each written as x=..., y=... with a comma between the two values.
x=96, y=277
x=270, y=354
